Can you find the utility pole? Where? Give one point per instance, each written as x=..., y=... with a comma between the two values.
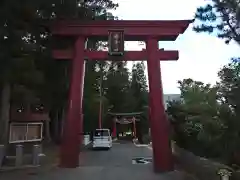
x=100, y=101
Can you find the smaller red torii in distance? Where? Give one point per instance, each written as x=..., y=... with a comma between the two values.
x=149, y=31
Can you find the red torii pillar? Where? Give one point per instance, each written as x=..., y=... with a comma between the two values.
x=72, y=132
x=158, y=123
x=150, y=32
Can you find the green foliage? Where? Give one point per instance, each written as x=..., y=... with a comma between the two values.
x=138, y=96
x=206, y=120
x=138, y=86
x=117, y=84
x=196, y=117
x=221, y=17
x=25, y=48
x=230, y=84
x=26, y=62
x=120, y=93
x=229, y=91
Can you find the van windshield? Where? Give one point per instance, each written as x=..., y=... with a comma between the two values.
x=101, y=133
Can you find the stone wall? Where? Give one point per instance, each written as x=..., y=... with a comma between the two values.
x=201, y=168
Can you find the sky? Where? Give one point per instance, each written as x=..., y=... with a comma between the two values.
x=200, y=55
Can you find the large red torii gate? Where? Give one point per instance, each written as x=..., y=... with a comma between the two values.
x=149, y=31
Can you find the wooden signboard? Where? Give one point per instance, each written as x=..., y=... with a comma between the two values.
x=25, y=132
x=116, y=43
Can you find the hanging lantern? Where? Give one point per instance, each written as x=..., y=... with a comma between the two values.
x=116, y=43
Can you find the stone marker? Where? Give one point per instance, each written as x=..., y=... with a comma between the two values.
x=2, y=152
x=224, y=174
x=35, y=155
x=19, y=155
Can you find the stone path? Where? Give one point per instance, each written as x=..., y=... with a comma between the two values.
x=115, y=164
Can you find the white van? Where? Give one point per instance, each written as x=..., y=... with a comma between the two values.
x=102, y=139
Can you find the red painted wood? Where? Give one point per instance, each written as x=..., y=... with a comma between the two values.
x=150, y=31
x=129, y=55
x=72, y=139
x=162, y=154
x=129, y=33
x=133, y=30
x=122, y=23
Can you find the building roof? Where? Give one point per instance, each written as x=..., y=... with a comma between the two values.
x=125, y=114
x=170, y=97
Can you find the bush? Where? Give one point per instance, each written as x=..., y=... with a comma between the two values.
x=146, y=139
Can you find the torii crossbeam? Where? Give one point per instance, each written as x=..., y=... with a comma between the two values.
x=129, y=55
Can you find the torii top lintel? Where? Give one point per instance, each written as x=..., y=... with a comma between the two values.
x=133, y=30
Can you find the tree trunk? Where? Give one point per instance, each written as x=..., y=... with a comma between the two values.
x=5, y=113
x=55, y=125
x=47, y=137
x=62, y=121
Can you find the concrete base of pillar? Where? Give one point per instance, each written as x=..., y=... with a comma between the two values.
x=35, y=155
x=2, y=154
x=19, y=155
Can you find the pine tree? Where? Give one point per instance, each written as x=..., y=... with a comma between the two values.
x=138, y=87
x=116, y=86
x=25, y=49
x=138, y=97
x=221, y=17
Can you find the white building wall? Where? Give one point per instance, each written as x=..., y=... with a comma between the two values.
x=170, y=97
